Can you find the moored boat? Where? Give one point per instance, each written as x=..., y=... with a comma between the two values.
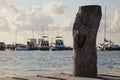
x=21, y=47
x=59, y=45
x=108, y=45
x=44, y=43
x=2, y=46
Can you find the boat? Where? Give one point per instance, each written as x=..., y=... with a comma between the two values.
x=32, y=44
x=44, y=43
x=113, y=47
x=21, y=47
x=108, y=45
x=59, y=45
x=2, y=46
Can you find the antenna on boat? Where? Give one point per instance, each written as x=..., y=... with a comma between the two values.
x=57, y=31
x=43, y=30
x=105, y=26
x=16, y=37
x=32, y=33
x=51, y=40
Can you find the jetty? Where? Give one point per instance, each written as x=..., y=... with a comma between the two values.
x=64, y=76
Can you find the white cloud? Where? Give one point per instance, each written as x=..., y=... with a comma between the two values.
x=55, y=8
x=115, y=26
x=68, y=25
x=8, y=14
x=102, y=25
x=12, y=18
x=54, y=27
x=34, y=19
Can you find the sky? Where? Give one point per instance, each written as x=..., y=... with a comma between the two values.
x=24, y=19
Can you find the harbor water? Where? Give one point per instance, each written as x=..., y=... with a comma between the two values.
x=31, y=63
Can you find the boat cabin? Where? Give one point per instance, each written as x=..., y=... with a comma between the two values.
x=2, y=46
x=44, y=43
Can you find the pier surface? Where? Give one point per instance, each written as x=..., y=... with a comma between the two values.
x=63, y=76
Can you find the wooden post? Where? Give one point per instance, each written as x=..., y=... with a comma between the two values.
x=85, y=30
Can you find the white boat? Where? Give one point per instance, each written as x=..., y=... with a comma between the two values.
x=111, y=46
x=108, y=44
x=2, y=46
x=44, y=43
x=21, y=47
x=59, y=44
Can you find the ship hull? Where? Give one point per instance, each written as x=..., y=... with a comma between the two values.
x=112, y=49
x=61, y=49
x=44, y=49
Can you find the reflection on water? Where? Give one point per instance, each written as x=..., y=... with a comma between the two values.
x=23, y=63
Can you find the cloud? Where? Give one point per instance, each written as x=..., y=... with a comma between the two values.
x=12, y=18
x=68, y=25
x=102, y=25
x=115, y=25
x=54, y=27
x=8, y=14
x=34, y=19
x=55, y=8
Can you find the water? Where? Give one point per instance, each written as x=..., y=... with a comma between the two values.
x=109, y=61
x=31, y=63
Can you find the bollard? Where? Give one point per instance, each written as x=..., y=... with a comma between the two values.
x=85, y=30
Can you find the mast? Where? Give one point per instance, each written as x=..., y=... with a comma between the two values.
x=43, y=30
x=105, y=26
x=16, y=37
x=57, y=32
x=32, y=33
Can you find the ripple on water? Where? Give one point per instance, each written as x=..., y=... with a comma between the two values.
x=23, y=63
